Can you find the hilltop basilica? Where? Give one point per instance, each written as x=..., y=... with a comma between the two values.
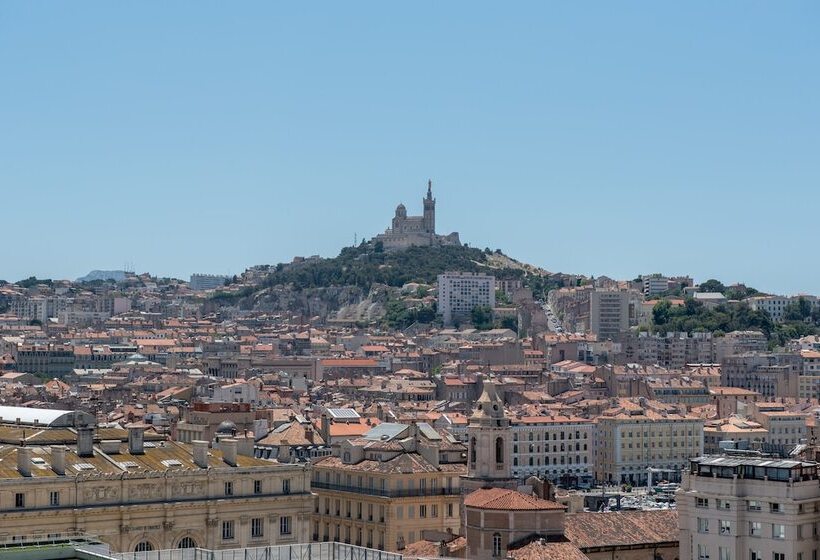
x=407, y=231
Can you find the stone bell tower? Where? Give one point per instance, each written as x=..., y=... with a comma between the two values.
x=489, y=443
x=429, y=210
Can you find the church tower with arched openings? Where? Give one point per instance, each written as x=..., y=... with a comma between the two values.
x=489, y=446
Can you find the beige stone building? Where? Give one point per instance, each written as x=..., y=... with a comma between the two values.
x=140, y=494
x=738, y=508
x=389, y=488
x=635, y=434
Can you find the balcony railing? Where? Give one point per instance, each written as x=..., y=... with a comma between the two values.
x=404, y=493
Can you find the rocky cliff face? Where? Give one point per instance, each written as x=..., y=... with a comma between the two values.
x=342, y=302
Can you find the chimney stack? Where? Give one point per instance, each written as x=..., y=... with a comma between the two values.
x=85, y=441
x=326, y=428
x=136, y=437
x=58, y=459
x=228, y=447
x=200, y=452
x=245, y=445
x=24, y=461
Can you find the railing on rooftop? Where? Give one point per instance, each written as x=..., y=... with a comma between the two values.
x=404, y=493
x=310, y=551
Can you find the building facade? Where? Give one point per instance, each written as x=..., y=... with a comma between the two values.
x=460, y=292
x=609, y=313
x=740, y=508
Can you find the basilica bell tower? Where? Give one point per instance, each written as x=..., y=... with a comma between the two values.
x=429, y=210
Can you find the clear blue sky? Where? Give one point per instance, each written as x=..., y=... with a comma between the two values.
x=612, y=138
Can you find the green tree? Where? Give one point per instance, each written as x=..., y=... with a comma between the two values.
x=481, y=317
x=712, y=285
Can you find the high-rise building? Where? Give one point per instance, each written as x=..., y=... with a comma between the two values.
x=609, y=313
x=460, y=292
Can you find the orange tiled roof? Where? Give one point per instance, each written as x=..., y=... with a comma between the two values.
x=503, y=499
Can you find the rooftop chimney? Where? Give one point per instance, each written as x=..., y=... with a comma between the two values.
x=228, y=447
x=58, y=459
x=85, y=441
x=136, y=437
x=245, y=446
x=200, y=452
x=24, y=461
x=326, y=428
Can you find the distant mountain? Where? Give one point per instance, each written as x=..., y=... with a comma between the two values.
x=116, y=275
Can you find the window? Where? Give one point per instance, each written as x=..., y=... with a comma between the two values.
x=19, y=500
x=753, y=505
x=422, y=510
x=144, y=546
x=434, y=510
x=723, y=553
x=702, y=502
x=755, y=555
x=54, y=499
x=496, y=545
x=778, y=531
x=257, y=486
x=774, y=507
x=725, y=527
x=472, y=450
x=229, y=488
x=703, y=525
x=187, y=542
x=257, y=527
x=499, y=450
x=284, y=526
x=778, y=556
x=755, y=529
x=703, y=552
x=722, y=504
x=227, y=530
x=286, y=486
x=449, y=510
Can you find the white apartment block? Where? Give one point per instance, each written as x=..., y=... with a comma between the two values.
x=776, y=306
x=460, y=292
x=207, y=281
x=555, y=447
x=740, y=508
x=654, y=284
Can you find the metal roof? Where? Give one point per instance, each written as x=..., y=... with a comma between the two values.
x=45, y=417
x=737, y=461
x=386, y=431
x=428, y=431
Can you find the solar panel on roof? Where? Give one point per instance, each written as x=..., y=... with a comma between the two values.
x=340, y=413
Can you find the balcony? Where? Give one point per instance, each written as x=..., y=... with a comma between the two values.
x=405, y=493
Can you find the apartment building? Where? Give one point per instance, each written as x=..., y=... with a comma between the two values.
x=635, y=434
x=387, y=488
x=139, y=493
x=207, y=281
x=770, y=374
x=671, y=350
x=609, y=313
x=742, y=508
x=557, y=448
x=776, y=306
x=460, y=292
x=809, y=381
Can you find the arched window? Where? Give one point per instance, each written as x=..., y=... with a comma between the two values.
x=499, y=450
x=496, y=545
x=188, y=542
x=472, y=450
x=144, y=546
